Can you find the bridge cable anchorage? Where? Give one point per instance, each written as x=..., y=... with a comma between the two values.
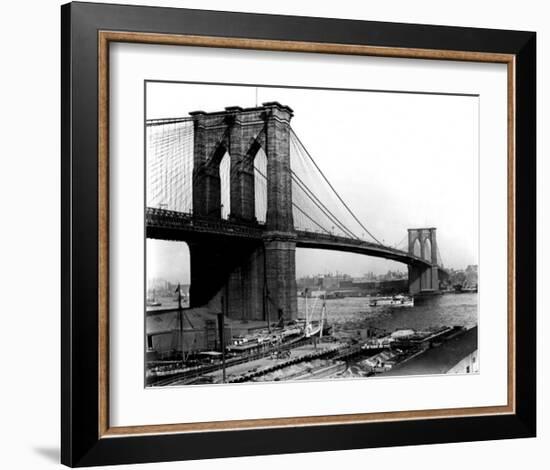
x=294, y=136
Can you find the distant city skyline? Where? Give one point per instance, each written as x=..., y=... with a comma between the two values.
x=170, y=261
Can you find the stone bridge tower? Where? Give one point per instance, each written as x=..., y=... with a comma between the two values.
x=423, y=244
x=256, y=280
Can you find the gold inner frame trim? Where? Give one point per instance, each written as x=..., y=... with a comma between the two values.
x=104, y=39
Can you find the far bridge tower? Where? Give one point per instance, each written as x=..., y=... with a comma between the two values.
x=422, y=243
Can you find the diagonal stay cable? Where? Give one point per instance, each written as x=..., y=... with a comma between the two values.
x=166, y=121
x=321, y=206
x=440, y=259
x=293, y=134
x=306, y=215
x=400, y=242
x=335, y=221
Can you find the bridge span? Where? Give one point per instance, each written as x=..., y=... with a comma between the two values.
x=241, y=189
x=178, y=226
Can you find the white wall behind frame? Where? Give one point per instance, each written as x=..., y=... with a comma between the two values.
x=30, y=87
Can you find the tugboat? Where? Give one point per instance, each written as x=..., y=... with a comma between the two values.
x=394, y=301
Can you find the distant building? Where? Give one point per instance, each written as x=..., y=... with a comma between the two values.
x=158, y=287
x=389, y=283
x=326, y=282
x=471, y=275
x=464, y=279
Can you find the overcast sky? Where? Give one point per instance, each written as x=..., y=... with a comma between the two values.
x=398, y=160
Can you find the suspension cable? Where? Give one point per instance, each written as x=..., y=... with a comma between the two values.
x=321, y=206
x=318, y=225
x=333, y=219
x=398, y=244
x=440, y=259
x=293, y=134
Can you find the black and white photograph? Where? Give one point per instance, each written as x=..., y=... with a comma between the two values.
x=300, y=233
x=275, y=235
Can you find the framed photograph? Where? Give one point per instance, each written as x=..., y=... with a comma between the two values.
x=290, y=234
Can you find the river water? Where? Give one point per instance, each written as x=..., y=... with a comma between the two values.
x=351, y=317
x=353, y=313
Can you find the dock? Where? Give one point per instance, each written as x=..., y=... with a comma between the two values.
x=439, y=359
x=251, y=370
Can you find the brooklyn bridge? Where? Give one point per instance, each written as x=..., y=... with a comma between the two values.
x=241, y=189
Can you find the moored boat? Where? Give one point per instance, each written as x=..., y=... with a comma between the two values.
x=393, y=301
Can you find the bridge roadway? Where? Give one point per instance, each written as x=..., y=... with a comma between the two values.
x=171, y=225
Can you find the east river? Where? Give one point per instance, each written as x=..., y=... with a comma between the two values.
x=352, y=317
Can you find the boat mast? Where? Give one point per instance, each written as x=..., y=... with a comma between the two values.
x=180, y=317
x=305, y=292
x=323, y=310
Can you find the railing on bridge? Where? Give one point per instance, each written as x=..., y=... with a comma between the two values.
x=157, y=218
x=167, y=219
x=362, y=244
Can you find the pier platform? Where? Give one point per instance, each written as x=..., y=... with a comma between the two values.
x=440, y=359
x=249, y=370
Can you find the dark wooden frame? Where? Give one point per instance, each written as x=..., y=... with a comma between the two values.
x=86, y=31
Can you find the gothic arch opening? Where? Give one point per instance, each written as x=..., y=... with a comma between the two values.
x=427, y=249
x=225, y=185
x=260, y=186
x=416, y=248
